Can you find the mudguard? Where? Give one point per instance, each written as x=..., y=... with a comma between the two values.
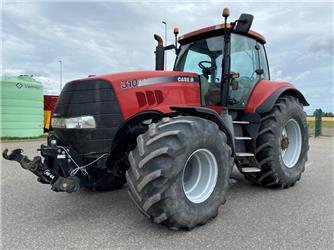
x=266, y=93
x=223, y=120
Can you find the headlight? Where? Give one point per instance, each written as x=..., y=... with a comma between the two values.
x=74, y=122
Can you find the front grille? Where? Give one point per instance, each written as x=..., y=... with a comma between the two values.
x=89, y=97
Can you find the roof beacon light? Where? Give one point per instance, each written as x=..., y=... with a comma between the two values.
x=176, y=32
x=226, y=12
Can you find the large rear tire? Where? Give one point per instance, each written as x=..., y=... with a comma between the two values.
x=179, y=171
x=281, y=145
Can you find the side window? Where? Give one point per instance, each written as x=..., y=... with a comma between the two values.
x=243, y=56
x=208, y=51
x=264, y=63
x=244, y=60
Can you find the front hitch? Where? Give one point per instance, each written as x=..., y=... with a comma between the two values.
x=44, y=174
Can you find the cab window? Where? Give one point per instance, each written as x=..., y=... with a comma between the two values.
x=204, y=50
x=264, y=62
x=208, y=52
x=193, y=58
x=244, y=58
x=247, y=57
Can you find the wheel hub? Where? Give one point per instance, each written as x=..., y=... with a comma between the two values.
x=284, y=143
x=291, y=143
x=200, y=175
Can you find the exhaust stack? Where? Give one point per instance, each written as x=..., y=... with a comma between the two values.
x=159, y=53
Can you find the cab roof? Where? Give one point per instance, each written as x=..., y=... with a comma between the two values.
x=216, y=30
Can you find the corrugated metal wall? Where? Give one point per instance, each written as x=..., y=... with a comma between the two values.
x=21, y=107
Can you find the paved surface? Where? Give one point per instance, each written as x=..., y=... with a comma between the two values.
x=300, y=217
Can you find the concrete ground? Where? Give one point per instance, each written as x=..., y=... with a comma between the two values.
x=34, y=217
x=327, y=132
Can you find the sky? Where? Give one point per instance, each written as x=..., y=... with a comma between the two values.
x=102, y=37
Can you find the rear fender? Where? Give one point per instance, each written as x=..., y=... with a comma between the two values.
x=266, y=93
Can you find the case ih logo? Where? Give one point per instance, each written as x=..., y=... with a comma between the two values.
x=185, y=79
x=19, y=85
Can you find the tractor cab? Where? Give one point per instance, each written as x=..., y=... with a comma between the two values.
x=204, y=56
x=232, y=46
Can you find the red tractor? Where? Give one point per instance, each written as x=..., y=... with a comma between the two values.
x=174, y=136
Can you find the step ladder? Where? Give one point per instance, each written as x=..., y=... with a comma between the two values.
x=246, y=169
x=242, y=138
x=241, y=122
x=250, y=170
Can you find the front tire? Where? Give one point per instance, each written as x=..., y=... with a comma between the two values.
x=179, y=171
x=281, y=145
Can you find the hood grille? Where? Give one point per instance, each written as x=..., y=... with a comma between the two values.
x=90, y=97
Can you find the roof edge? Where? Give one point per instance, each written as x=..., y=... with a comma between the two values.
x=216, y=28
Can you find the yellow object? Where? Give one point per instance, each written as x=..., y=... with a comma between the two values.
x=47, y=119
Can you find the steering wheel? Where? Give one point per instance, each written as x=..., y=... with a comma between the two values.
x=207, y=70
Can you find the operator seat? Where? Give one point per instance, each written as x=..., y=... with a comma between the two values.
x=210, y=92
x=241, y=94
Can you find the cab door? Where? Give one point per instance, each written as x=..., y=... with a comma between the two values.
x=249, y=60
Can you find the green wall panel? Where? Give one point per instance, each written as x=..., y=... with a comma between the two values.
x=21, y=107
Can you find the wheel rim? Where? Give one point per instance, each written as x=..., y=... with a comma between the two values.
x=200, y=175
x=291, y=143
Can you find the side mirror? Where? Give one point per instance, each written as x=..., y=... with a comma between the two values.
x=244, y=23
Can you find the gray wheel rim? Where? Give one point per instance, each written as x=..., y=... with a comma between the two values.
x=291, y=153
x=200, y=175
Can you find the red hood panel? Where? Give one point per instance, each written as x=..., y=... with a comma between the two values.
x=140, y=91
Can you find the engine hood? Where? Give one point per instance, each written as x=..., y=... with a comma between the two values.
x=140, y=91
